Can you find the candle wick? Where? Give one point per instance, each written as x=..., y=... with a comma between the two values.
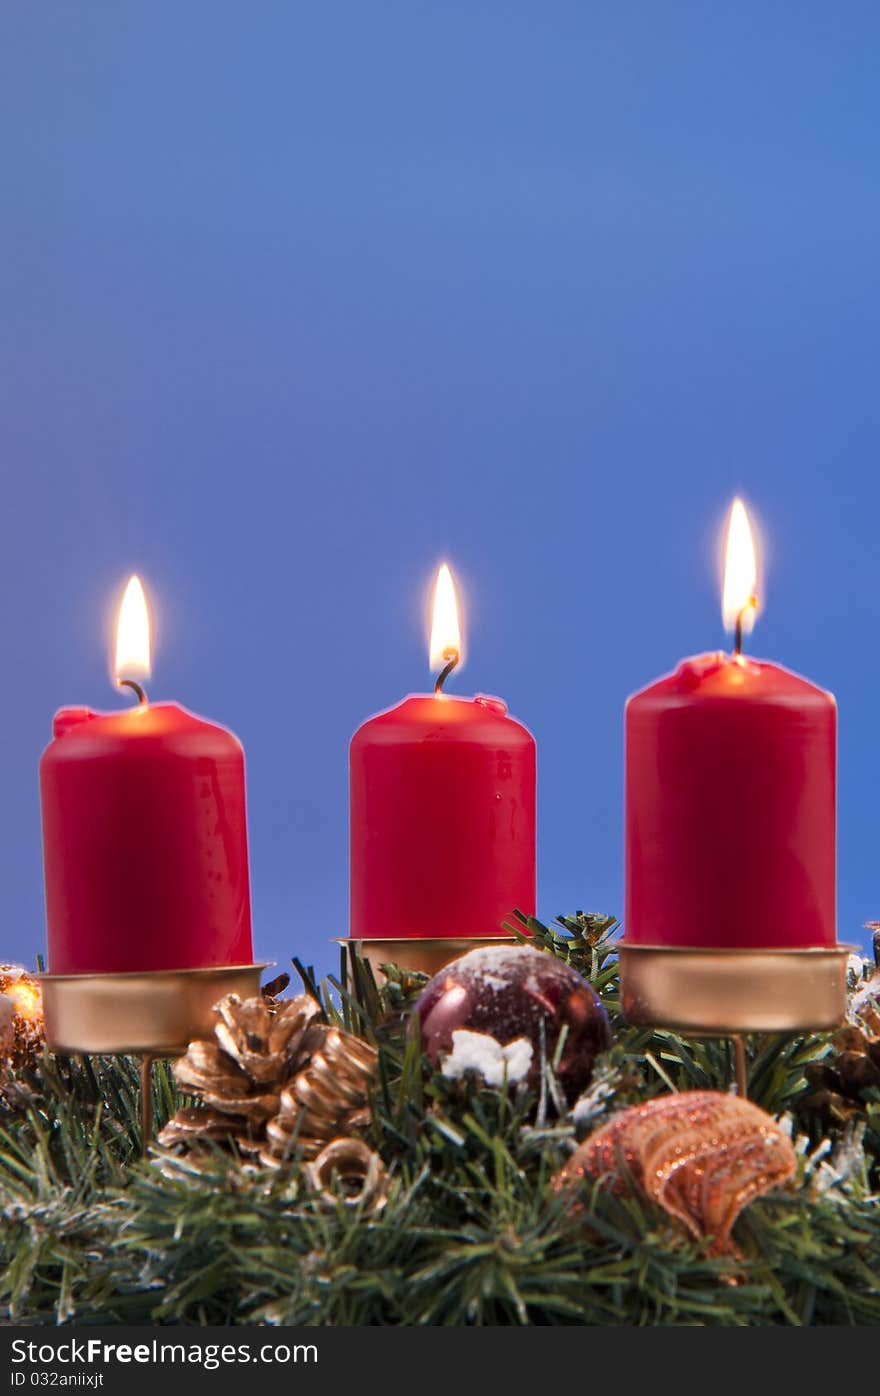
x=750, y=605
x=135, y=688
x=452, y=657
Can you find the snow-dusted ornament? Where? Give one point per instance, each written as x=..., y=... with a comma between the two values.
x=509, y=992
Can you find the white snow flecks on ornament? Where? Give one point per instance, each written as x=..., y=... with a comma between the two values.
x=497, y=965
x=480, y=1052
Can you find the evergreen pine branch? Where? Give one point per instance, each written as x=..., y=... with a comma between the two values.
x=471, y=1233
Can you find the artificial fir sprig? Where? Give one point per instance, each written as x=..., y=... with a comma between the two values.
x=471, y=1232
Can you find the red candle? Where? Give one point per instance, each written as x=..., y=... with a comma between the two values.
x=442, y=809
x=144, y=834
x=730, y=797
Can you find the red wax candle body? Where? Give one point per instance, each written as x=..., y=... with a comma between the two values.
x=144, y=842
x=442, y=819
x=730, y=808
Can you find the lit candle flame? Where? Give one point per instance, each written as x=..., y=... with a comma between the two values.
x=133, y=634
x=739, y=602
x=445, y=631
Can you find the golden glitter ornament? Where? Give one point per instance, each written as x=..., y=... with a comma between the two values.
x=22, y=1030
x=700, y=1155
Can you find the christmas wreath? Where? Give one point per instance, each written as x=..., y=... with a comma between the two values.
x=524, y=1157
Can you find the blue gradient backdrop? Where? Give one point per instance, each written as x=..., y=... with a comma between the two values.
x=298, y=299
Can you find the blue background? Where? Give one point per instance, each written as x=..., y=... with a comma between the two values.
x=299, y=299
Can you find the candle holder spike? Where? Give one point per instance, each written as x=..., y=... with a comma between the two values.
x=146, y=1100
x=740, y=1065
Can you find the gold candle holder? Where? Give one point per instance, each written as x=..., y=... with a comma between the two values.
x=708, y=992
x=723, y=991
x=146, y=1014
x=427, y=955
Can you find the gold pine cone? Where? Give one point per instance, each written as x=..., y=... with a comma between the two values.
x=273, y=1082
x=844, y=1082
x=700, y=1155
x=238, y=1077
x=326, y=1098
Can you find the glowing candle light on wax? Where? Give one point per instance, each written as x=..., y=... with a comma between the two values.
x=145, y=853
x=442, y=815
x=730, y=836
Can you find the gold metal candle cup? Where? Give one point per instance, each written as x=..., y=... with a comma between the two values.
x=426, y=955
x=156, y=1013
x=731, y=991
